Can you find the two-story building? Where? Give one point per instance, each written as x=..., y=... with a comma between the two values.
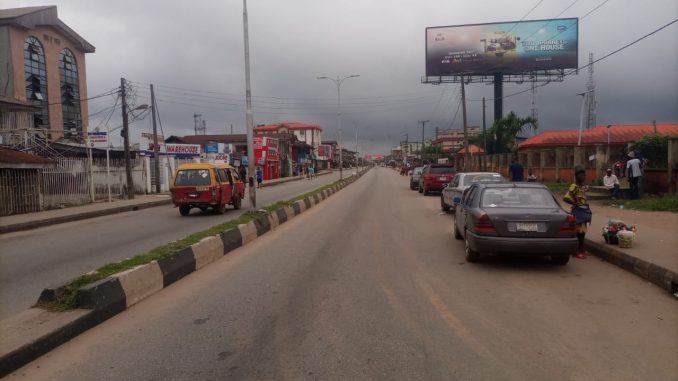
x=43, y=83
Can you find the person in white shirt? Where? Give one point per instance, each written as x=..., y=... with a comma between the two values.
x=611, y=183
x=635, y=173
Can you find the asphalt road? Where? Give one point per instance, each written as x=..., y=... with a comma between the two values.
x=371, y=285
x=33, y=260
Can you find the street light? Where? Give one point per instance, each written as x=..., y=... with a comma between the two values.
x=338, y=81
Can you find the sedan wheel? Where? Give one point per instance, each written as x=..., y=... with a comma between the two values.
x=221, y=208
x=443, y=205
x=560, y=260
x=420, y=189
x=471, y=256
x=237, y=202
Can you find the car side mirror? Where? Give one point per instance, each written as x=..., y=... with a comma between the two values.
x=456, y=200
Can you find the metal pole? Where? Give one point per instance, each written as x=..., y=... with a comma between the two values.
x=423, y=124
x=156, y=147
x=341, y=148
x=108, y=171
x=125, y=135
x=581, y=116
x=467, y=160
x=249, y=121
x=356, y=146
x=91, y=170
x=498, y=96
x=484, y=138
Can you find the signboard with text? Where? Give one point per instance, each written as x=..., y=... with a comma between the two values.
x=506, y=47
x=97, y=139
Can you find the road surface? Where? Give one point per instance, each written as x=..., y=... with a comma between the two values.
x=371, y=285
x=33, y=260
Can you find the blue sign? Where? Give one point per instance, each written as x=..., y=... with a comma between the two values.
x=244, y=161
x=212, y=148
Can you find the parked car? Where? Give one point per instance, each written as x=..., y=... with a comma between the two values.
x=204, y=185
x=434, y=177
x=514, y=218
x=414, y=177
x=461, y=182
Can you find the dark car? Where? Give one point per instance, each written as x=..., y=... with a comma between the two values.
x=414, y=177
x=434, y=177
x=514, y=218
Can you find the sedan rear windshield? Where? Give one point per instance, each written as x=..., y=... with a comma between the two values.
x=485, y=177
x=517, y=198
x=193, y=177
x=442, y=170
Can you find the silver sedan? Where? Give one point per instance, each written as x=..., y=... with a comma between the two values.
x=460, y=183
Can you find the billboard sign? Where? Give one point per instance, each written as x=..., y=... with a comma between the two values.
x=183, y=150
x=212, y=147
x=507, y=47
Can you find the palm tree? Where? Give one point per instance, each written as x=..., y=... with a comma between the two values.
x=507, y=128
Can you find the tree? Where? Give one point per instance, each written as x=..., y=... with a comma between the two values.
x=501, y=137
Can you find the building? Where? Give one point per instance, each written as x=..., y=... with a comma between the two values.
x=451, y=140
x=47, y=71
x=306, y=133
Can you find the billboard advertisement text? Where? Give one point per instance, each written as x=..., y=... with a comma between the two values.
x=508, y=47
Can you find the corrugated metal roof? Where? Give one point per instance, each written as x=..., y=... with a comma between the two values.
x=10, y=156
x=473, y=150
x=619, y=134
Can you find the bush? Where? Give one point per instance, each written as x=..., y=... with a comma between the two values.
x=655, y=149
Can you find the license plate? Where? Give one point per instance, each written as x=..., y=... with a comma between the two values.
x=526, y=227
x=443, y=178
x=192, y=195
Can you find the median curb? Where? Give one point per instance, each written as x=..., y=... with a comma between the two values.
x=109, y=296
x=660, y=276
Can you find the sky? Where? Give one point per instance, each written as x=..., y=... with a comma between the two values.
x=193, y=53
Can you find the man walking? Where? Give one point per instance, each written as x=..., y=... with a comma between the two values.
x=516, y=170
x=611, y=183
x=634, y=174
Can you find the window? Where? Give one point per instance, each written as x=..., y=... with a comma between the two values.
x=193, y=177
x=518, y=198
x=35, y=74
x=70, y=95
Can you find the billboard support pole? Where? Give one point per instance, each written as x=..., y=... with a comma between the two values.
x=498, y=96
x=467, y=159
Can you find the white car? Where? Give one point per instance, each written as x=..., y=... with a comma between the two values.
x=461, y=182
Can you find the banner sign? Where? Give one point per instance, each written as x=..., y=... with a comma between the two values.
x=212, y=148
x=97, y=139
x=183, y=149
x=507, y=47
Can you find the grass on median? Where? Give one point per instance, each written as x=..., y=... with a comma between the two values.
x=666, y=203
x=68, y=298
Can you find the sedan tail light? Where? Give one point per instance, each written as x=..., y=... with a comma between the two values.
x=484, y=224
x=569, y=225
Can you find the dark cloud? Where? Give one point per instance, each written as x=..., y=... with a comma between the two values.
x=199, y=46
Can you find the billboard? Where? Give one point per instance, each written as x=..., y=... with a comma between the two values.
x=507, y=47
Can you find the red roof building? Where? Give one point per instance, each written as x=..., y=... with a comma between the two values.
x=474, y=150
x=307, y=133
x=617, y=134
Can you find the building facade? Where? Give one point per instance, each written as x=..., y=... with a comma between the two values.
x=306, y=133
x=46, y=70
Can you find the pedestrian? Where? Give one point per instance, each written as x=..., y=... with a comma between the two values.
x=260, y=177
x=611, y=183
x=311, y=172
x=242, y=172
x=531, y=178
x=516, y=170
x=576, y=196
x=635, y=174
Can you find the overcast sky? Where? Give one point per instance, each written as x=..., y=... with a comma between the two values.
x=192, y=51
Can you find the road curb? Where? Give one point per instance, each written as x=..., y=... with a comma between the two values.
x=80, y=216
x=114, y=294
x=660, y=276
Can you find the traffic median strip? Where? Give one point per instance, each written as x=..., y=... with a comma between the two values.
x=66, y=311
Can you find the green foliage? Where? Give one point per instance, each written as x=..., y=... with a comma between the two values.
x=667, y=203
x=501, y=137
x=558, y=186
x=654, y=148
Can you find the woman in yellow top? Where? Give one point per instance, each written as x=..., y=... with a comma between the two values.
x=576, y=196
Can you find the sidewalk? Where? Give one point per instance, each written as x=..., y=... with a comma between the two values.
x=29, y=221
x=654, y=255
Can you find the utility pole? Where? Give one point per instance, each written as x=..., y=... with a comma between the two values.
x=356, y=146
x=156, y=147
x=484, y=139
x=231, y=128
x=423, y=125
x=125, y=135
x=467, y=160
x=249, y=120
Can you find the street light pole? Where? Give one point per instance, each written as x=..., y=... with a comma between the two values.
x=338, y=82
x=249, y=121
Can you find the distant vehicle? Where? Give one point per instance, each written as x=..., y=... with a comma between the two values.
x=205, y=185
x=414, y=177
x=461, y=182
x=514, y=218
x=434, y=177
